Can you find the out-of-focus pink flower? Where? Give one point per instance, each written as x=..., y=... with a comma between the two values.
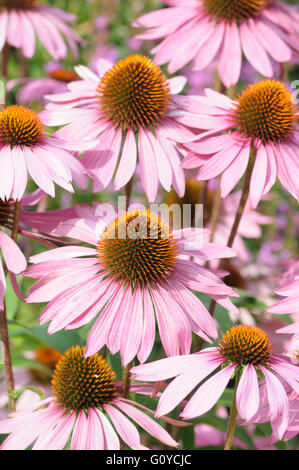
x=132, y=277
x=271, y=130
x=35, y=89
x=202, y=30
x=40, y=377
x=245, y=350
x=206, y=435
x=84, y=395
x=21, y=21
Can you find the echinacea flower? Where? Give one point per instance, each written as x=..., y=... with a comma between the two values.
x=203, y=30
x=22, y=20
x=25, y=148
x=137, y=272
x=244, y=352
x=264, y=116
x=130, y=108
x=86, y=407
x=35, y=89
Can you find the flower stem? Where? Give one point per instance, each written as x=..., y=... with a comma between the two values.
x=5, y=60
x=16, y=221
x=244, y=197
x=7, y=359
x=240, y=211
x=232, y=416
x=126, y=381
x=215, y=212
x=128, y=192
x=3, y=323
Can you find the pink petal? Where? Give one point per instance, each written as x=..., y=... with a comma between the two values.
x=248, y=393
x=124, y=427
x=208, y=393
x=147, y=423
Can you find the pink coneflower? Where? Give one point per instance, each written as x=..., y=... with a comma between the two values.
x=26, y=148
x=131, y=108
x=288, y=305
x=85, y=406
x=35, y=89
x=263, y=116
x=137, y=270
x=22, y=20
x=244, y=352
x=202, y=30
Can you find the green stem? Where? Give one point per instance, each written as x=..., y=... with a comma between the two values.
x=232, y=421
x=128, y=192
x=5, y=60
x=7, y=359
x=244, y=197
x=239, y=213
x=126, y=381
x=3, y=324
x=215, y=212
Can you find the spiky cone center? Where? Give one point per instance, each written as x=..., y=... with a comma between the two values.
x=62, y=75
x=7, y=210
x=138, y=248
x=48, y=357
x=20, y=126
x=234, y=10
x=266, y=111
x=134, y=93
x=246, y=345
x=18, y=4
x=80, y=383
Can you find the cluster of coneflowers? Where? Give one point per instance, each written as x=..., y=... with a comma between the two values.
x=132, y=275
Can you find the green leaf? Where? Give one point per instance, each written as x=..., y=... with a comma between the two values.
x=187, y=435
x=62, y=340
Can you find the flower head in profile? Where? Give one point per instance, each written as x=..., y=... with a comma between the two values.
x=85, y=406
x=202, y=31
x=130, y=108
x=137, y=273
x=26, y=148
x=244, y=352
x=263, y=117
x=22, y=20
